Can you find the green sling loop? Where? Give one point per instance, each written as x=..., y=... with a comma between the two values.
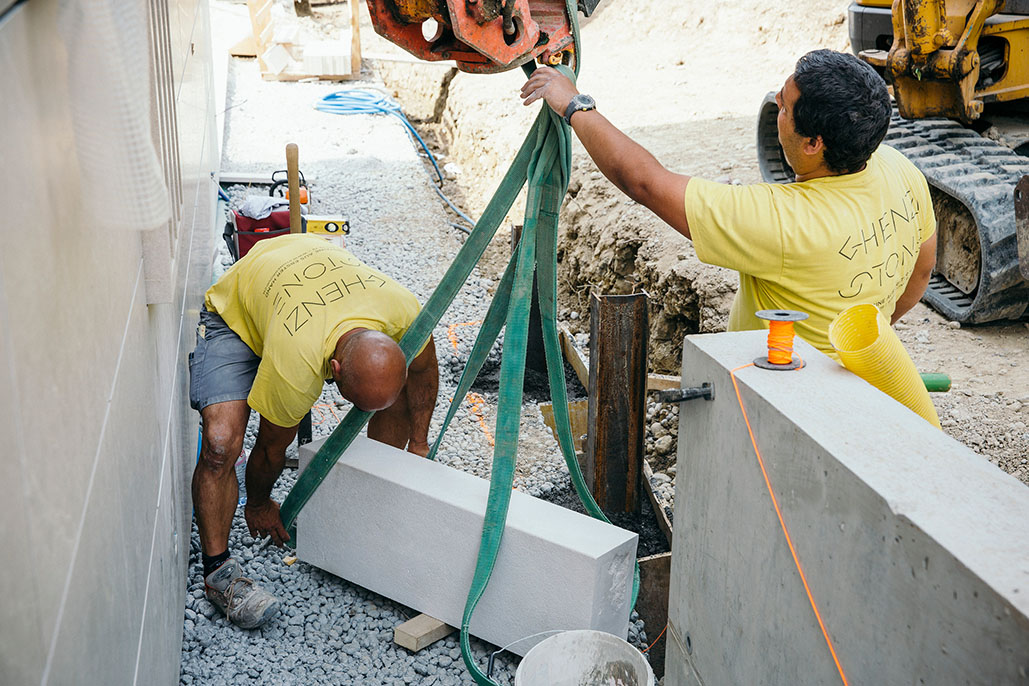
x=544, y=160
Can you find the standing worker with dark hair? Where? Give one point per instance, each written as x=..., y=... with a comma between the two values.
x=293, y=313
x=856, y=227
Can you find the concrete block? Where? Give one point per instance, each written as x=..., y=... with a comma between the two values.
x=409, y=529
x=421, y=631
x=915, y=548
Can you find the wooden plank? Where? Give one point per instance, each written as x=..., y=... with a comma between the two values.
x=574, y=357
x=659, y=511
x=260, y=15
x=420, y=631
x=355, y=37
x=293, y=182
x=265, y=35
x=663, y=382
x=260, y=20
x=289, y=75
x=246, y=47
x=578, y=414
x=617, y=399
x=652, y=605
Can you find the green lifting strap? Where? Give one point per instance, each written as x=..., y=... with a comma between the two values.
x=544, y=160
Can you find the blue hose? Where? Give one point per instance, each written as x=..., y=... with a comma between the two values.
x=362, y=101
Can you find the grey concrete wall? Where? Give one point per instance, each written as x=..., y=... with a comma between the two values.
x=96, y=434
x=915, y=548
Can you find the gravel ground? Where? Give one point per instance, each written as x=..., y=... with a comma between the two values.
x=331, y=631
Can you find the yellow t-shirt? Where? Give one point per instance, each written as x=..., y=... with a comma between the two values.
x=290, y=299
x=816, y=246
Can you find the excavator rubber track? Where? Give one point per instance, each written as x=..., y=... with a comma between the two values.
x=981, y=174
x=975, y=171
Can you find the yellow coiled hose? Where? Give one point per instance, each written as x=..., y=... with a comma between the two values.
x=869, y=347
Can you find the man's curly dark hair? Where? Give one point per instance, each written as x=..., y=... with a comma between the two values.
x=844, y=101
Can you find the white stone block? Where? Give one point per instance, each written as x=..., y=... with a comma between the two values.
x=409, y=529
x=328, y=58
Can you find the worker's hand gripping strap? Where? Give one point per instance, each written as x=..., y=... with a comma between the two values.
x=416, y=335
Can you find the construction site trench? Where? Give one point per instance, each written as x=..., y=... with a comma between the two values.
x=685, y=81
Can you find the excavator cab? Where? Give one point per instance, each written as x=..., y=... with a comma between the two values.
x=481, y=36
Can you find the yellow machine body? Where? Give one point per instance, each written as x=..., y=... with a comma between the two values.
x=935, y=63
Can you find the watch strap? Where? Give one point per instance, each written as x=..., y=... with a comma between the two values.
x=579, y=103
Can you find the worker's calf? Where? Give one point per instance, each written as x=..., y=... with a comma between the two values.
x=215, y=490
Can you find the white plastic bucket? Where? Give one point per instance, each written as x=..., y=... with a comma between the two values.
x=584, y=658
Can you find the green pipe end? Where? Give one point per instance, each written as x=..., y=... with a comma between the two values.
x=936, y=382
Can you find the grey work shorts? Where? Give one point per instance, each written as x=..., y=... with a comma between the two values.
x=222, y=367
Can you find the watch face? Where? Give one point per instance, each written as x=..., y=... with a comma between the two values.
x=579, y=103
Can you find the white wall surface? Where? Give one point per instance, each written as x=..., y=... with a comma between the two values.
x=97, y=440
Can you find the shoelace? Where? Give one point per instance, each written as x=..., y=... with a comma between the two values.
x=231, y=591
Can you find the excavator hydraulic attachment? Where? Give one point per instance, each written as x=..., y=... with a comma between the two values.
x=950, y=57
x=482, y=36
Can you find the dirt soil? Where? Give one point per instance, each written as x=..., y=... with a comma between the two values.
x=686, y=80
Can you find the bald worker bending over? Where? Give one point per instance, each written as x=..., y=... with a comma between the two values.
x=293, y=313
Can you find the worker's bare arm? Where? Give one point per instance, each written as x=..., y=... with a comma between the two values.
x=263, y=467
x=924, y=265
x=627, y=164
x=422, y=386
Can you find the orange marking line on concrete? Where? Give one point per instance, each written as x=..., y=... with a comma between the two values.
x=452, y=331
x=785, y=531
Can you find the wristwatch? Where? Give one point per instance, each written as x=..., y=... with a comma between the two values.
x=580, y=103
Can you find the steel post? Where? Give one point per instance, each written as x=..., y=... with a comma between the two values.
x=619, y=331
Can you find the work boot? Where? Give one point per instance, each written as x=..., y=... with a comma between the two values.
x=246, y=604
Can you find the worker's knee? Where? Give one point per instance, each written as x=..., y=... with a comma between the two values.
x=220, y=449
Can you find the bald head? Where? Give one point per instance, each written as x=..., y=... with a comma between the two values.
x=369, y=368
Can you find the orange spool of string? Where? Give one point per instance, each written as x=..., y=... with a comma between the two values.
x=780, y=339
x=780, y=342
